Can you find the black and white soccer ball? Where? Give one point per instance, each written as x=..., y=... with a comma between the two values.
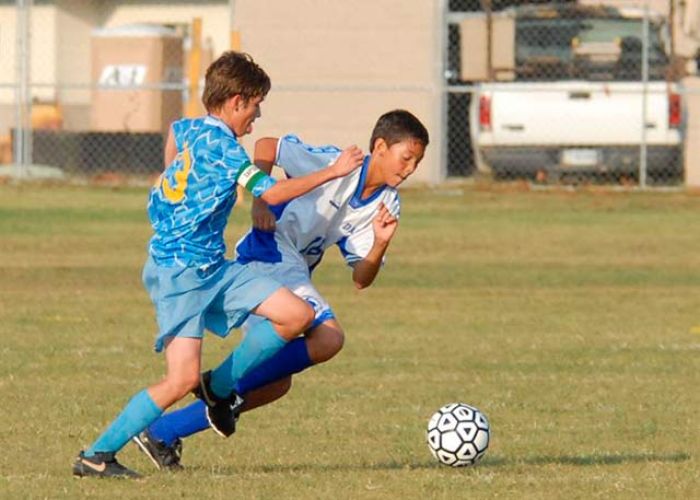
x=458, y=434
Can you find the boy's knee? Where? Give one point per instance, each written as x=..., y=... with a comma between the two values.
x=302, y=318
x=328, y=345
x=336, y=340
x=181, y=384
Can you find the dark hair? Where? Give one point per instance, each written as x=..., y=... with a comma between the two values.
x=396, y=126
x=233, y=73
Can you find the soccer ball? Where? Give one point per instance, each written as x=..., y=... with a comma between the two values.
x=458, y=434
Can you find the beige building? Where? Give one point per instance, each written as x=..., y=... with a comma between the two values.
x=335, y=65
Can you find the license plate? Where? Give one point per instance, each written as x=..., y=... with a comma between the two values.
x=580, y=157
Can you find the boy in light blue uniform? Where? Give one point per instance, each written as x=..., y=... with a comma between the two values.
x=191, y=284
x=358, y=214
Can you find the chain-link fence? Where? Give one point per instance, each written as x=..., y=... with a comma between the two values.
x=568, y=92
x=94, y=92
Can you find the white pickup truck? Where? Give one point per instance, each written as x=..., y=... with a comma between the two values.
x=575, y=101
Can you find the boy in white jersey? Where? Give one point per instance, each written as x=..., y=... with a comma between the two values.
x=191, y=284
x=358, y=213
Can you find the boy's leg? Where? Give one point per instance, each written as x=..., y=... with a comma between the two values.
x=161, y=442
x=182, y=357
x=319, y=344
x=179, y=424
x=287, y=317
x=293, y=358
x=262, y=385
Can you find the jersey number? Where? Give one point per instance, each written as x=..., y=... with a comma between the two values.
x=176, y=192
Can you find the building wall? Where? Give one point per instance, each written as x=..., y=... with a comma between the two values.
x=215, y=16
x=8, y=34
x=75, y=21
x=337, y=66
x=42, y=44
x=42, y=64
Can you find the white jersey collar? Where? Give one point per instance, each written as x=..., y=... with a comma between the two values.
x=356, y=201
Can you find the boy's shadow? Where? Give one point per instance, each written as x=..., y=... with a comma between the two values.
x=590, y=459
x=495, y=461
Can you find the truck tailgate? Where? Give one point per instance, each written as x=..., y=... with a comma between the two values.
x=576, y=113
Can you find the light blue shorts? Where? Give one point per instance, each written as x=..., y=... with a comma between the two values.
x=297, y=279
x=189, y=300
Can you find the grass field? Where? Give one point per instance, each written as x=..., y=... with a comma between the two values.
x=566, y=317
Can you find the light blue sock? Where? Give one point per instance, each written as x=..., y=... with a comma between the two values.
x=260, y=344
x=138, y=414
x=291, y=359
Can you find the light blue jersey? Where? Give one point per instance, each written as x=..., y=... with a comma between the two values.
x=191, y=284
x=190, y=204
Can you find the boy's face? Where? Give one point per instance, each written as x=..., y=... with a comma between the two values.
x=400, y=160
x=239, y=114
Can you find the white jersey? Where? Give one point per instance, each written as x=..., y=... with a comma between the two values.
x=332, y=214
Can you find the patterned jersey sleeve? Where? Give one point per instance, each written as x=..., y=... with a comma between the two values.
x=244, y=173
x=297, y=158
x=356, y=246
x=180, y=128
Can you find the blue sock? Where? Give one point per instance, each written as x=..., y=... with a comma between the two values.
x=293, y=358
x=180, y=423
x=136, y=416
x=260, y=343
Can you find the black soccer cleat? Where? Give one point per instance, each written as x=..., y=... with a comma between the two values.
x=222, y=413
x=162, y=455
x=101, y=465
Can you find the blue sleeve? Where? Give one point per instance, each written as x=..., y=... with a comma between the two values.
x=297, y=158
x=180, y=127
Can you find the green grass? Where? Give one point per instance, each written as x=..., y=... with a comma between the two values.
x=565, y=317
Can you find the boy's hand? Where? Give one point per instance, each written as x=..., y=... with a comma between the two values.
x=349, y=160
x=263, y=218
x=384, y=225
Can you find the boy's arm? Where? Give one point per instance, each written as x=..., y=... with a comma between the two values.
x=264, y=159
x=170, y=151
x=365, y=271
x=287, y=189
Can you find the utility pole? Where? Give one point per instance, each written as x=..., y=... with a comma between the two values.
x=486, y=5
x=672, y=27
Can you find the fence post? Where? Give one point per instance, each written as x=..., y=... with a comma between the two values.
x=235, y=33
x=193, y=68
x=645, y=89
x=22, y=146
x=487, y=7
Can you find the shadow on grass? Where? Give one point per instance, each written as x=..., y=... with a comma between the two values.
x=496, y=461
x=593, y=459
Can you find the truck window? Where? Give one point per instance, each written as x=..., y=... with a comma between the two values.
x=588, y=48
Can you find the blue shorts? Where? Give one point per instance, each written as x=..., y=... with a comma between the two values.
x=189, y=300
